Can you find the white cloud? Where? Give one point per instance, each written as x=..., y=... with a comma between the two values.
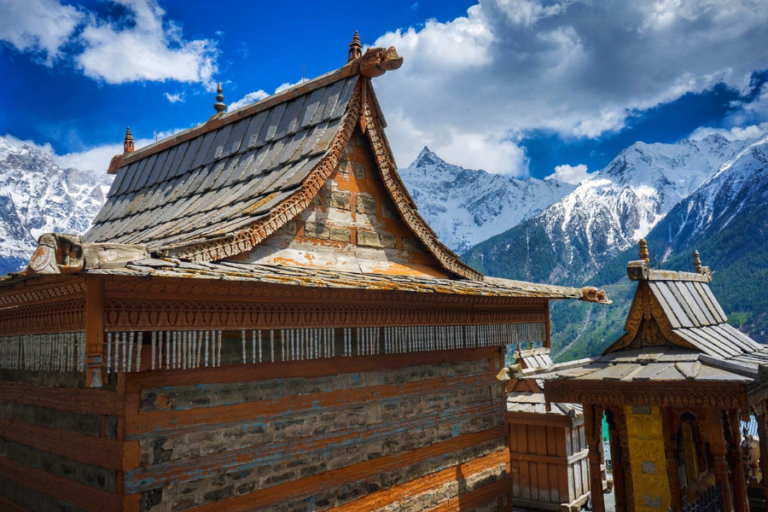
x=17, y=143
x=749, y=120
x=572, y=174
x=251, y=97
x=142, y=46
x=38, y=26
x=576, y=68
x=175, y=98
x=149, y=49
x=97, y=158
x=255, y=96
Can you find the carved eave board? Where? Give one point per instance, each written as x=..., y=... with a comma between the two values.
x=307, y=180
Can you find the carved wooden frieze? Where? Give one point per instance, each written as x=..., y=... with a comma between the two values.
x=662, y=394
x=160, y=313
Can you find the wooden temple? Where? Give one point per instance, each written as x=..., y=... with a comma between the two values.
x=260, y=319
x=674, y=389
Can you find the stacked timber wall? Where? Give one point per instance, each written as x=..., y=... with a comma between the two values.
x=59, y=443
x=396, y=432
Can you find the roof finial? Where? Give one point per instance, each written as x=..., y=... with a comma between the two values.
x=697, y=266
x=355, y=48
x=644, y=251
x=219, y=106
x=128, y=141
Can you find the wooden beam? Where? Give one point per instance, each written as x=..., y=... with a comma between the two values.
x=94, y=331
x=593, y=430
x=669, y=431
x=762, y=432
x=717, y=444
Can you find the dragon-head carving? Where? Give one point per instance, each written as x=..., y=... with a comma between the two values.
x=378, y=61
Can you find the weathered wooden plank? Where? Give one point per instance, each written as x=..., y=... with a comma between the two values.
x=425, y=483
x=271, y=496
x=87, y=401
x=311, y=368
x=64, y=489
x=105, y=453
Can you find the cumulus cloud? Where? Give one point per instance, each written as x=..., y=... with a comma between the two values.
x=175, y=98
x=251, y=97
x=141, y=46
x=576, y=68
x=572, y=174
x=255, y=96
x=41, y=27
x=748, y=120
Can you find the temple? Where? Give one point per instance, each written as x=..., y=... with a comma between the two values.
x=674, y=389
x=260, y=319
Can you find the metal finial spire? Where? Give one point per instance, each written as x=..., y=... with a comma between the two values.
x=355, y=48
x=128, y=141
x=697, y=266
x=219, y=106
x=644, y=251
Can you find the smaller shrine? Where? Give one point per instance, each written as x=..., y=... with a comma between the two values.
x=674, y=389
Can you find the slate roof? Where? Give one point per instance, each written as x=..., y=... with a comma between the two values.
x=694, y=314
x=301, y=276
x=225, y=178
x=667, y=363
x=531, y=402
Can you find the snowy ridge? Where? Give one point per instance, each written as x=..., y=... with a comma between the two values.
x=466, y=206
x=37, y=196
x=612, y=210
x=740, y=185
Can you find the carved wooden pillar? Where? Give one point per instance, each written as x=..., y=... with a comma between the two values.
x=593, y=429
x=94, y=331
x=740, y=499
x=669, y=430
x=618, y=459
x=716, y=436
x=762, y=432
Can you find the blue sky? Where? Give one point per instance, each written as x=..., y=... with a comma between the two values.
x=512, y=86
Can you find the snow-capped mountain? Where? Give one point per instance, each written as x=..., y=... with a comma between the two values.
x=37, y=196
x=606, y=214
x=739, y=186
x=466, y=206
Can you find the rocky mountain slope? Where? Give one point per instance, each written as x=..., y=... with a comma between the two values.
x=726, y=220
x=37, y=196
x=467, y=206
x=570, y=240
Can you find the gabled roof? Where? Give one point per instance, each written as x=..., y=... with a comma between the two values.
x=219, y=189
x=685, y=310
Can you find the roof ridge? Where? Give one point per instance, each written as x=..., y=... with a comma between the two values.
x=216, y=122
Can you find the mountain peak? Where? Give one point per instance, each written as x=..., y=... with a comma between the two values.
x=427, y=157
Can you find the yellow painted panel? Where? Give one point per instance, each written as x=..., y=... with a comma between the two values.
x=647, y=459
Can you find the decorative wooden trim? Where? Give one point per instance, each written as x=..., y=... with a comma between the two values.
x=659, y=393
x=44, y=317
x=41, y=289
x=155, y=314
x=396, y=188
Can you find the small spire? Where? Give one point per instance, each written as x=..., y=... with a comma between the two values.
x=644, y=251
x=697, y=266
x=355, y=48
x=128, y=141
x=219, y=106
